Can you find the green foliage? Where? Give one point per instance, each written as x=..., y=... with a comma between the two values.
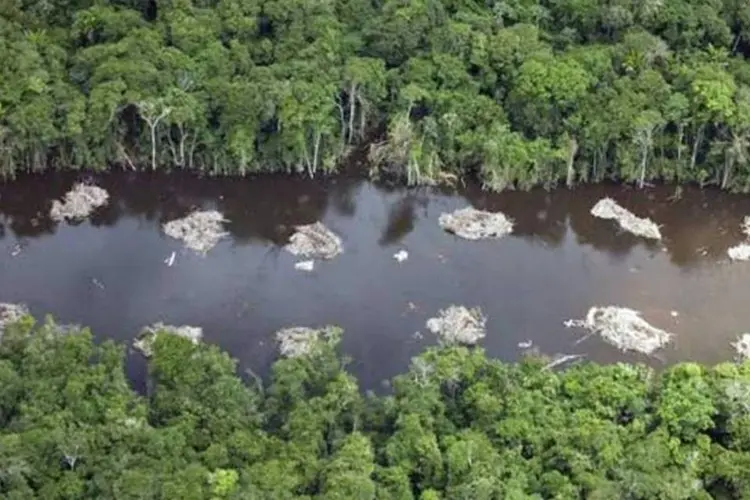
x=520, y=93
x=457, y=425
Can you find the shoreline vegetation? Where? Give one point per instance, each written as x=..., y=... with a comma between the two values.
x=515, y=94
x=457, y=425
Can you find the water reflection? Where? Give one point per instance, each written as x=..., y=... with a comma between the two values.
x=697, y=227
x=402, y=216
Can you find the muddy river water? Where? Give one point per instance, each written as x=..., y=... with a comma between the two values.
x=109, y=272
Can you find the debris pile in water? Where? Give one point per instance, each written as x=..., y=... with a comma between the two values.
x=10, y=313
x=79, y=202
x=200, y=230
x=314, y=241
x=401, y=255
x=739, y=252
x=742, y=346
x=458, y=325
x=607, y=208
x=623, y=328
x=305, y=265
x=299, y=341
x=144, y=342
x=742, y=251
x=474, y=224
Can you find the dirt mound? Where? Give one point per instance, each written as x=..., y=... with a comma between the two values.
x=607, y=208
x=314, y=241
x=144, y=343
x=473, y=224
x=623, y=328
x=79, y=203
x=458, y=325
x=200, y=231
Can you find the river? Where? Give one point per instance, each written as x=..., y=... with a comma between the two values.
x=109, y=272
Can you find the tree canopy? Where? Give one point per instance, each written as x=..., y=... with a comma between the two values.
x=457, y=425
x=516, y=92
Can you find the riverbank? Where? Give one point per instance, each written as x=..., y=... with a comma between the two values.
x=456, y=425
x=558, y=94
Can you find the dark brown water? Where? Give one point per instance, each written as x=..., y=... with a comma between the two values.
x=109, y=273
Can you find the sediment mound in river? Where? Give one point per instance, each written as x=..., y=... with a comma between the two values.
x=458, y=325
x=299, y=341
x=742, y=251
x=144, y=343
x=473, y=224
x=79, y=203
x=623, y=328
x=746, y=226
x=739, y=252
x=200, y=230
x=742, y=346
x=607, y=208
x=314, y=241
x=10, y=313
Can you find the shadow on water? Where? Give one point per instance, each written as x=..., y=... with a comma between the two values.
x=558, y=262
x=403, y=215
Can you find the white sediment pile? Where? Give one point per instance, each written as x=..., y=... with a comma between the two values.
x=607, y=208
x=473, y=224
x=299, y=341
x=79, y=202
x=314, y=241
x=200, y=230
x=739, y=252
x=742, y=346
x=458, y=325
x=10, y=313
x=144, y=343
x=742, y=251
x=623, y=328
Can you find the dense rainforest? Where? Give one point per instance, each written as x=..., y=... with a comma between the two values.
x=456, y=426
x=515, y=92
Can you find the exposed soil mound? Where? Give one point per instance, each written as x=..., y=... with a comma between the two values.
x=458, y=325
x=623, y=328
x=144, y=343
x=607, y=208
x=314, y=241
x=200, y=231
x=473, y=224
x=79, y=203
